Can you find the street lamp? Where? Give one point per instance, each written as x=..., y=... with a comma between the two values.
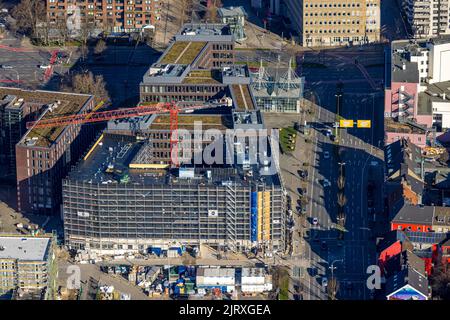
x=332, y=267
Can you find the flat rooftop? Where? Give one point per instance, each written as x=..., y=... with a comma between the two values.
x=242, y=98
x=203, y=77
x=208, y=121
x=204, y=29
x=436, y=92
x=229, y=12
x=182, y=52
x=403, y=70
x=121, y=160
x=24, y=248
x=64, y=104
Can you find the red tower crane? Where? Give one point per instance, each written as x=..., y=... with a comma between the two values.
x=143, y=110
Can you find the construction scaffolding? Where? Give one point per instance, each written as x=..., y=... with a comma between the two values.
x=119, y=200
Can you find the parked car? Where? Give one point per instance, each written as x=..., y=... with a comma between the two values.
x=326, y=155
x=323, y=246
x=324, y=282
x=6, y=66
x=315, y=221
x=326, y=183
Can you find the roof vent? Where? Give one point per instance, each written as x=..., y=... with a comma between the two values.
x=2, y=248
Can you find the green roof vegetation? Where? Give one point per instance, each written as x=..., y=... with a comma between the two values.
x=202, y=77
x=69, y=104
x=182, y=52
x=242, y=97
x=187, y=121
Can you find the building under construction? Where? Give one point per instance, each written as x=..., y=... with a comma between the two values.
x=281, y=92
x=28, y=266
x=126, y=196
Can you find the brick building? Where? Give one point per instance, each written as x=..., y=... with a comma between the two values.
x=108, y=15
x=43, y=156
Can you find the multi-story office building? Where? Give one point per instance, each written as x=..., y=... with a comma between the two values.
x=198, y=67
x=427, y=18
x=335, y=23
x=41, y=156
x=125, y=197
x=190, y=69
x=107, y=15
x=27, y=265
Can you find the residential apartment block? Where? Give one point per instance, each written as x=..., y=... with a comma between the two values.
x=107, y=15
x=27, y=265
x=427, y=18
x=335, y=23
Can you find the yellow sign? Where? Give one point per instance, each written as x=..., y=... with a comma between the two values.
x=364, y=123
x=346, y=123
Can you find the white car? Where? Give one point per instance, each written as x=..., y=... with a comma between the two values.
x=315, y=221
x=326, y=183
x=43, y=66
x=324, y=282
x=326, y=155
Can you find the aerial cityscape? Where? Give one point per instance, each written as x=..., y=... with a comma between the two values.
x=225, y=150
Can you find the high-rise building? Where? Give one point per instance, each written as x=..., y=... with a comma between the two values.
x=334, y=23
x=427, y=18
x=107, y=15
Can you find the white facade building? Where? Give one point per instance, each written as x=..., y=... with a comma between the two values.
x=255, y=280
x=439, y=64
x=427, y=17
x=216, y=278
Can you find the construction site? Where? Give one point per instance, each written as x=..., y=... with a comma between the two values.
x=127, y=194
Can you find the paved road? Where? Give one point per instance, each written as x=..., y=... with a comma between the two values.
x=361, y=100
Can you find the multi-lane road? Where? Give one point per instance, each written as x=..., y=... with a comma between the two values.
x=361, y=158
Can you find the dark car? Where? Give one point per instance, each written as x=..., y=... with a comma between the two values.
x=323, y=245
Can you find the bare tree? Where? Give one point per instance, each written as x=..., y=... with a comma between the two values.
x=28, y=14
x=332, y=288
x=63, y=30
x=211, y=12
x=86, y=82
x=341, y=182
x=83, y=51
x=341, y=217
x=86, y=28
x=100, y=47
x=341, y=200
